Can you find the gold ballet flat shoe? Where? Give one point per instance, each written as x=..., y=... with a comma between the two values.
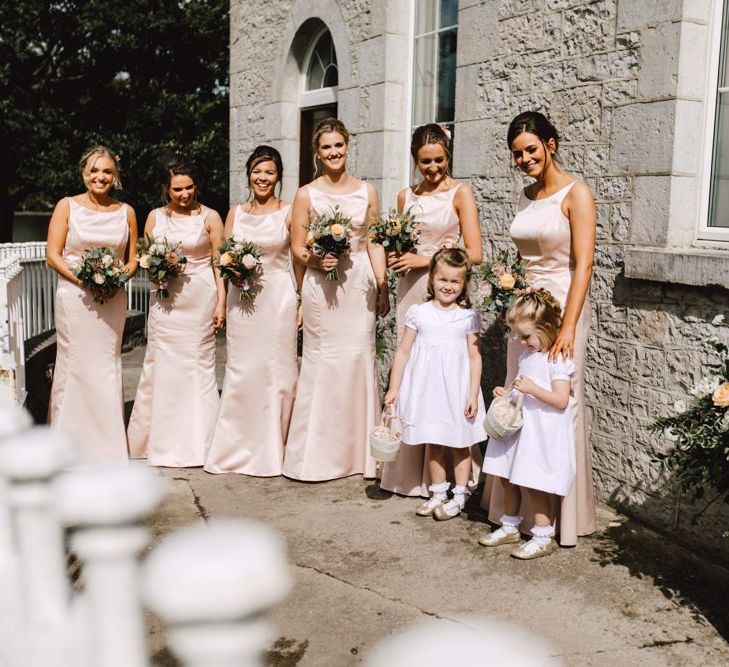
x=534, y=549
x=428, y=507
x=498, y=537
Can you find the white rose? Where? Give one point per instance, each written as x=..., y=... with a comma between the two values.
x=107, y=261
x=153, y=249
x=238, y=247
x=98, y=278
x=249, y=261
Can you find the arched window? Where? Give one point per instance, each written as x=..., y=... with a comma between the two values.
x=321, y=75
x=318, y=96
x=322, y=70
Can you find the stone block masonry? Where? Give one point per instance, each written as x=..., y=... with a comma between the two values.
x=609, y=74
x=594, y=68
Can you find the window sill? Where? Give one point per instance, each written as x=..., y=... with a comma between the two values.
x=682, y=266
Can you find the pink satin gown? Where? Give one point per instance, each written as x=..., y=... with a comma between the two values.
x=543, y=236
x=337, y=400
x=408, y=474
x=176, y=405
x=87, y=401
x=261, y=369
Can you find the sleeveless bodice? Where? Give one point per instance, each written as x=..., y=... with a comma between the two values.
x=438, y=220
x=91, y=229
x=543, y=236
x=269, y=231
x=353, y=205
x=191, y=232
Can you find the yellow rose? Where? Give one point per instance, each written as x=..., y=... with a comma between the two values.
x=507, y=281
x=337, y=229
x=225, y=259
x=721, y=396
x=310, y=239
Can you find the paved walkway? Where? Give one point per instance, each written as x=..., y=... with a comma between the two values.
x=365, y=567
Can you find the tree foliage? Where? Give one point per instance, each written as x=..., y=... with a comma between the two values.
x=140, y=76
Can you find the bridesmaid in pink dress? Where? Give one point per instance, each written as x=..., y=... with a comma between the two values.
x=446, y=211
x=261, y=368
x=176, y=405
x=554, y=230
x=337, y=401
x=86, y=397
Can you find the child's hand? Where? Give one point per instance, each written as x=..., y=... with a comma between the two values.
x=499, y=391
x=525, y=385
x=390, y=398
x=471, y=408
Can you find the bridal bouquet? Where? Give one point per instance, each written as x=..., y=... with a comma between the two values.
x=328, y=234
x=395, y=232
x=101, y=272
x=499, y=283
x=164, y=260
x=240, y=262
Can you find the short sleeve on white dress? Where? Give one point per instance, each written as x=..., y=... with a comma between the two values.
x=411, y=317
x=561, y=369
x=474, y=323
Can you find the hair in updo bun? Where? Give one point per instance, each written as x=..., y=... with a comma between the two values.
x=175, y=164
x=91, y=155
x=541, y=310
x=537, y=124
x=264, y=153
x=432, y=133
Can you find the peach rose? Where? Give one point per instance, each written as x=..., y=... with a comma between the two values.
x=144, y=261
x=337, y=230
x=310, y=239
x=507, y=281
x=225, y=259
x=721, y=396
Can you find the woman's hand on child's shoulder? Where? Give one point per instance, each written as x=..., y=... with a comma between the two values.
x=524, y=385
x=499, y=391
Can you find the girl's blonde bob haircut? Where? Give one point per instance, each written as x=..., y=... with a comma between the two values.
x=539, y=308
x=93, y=154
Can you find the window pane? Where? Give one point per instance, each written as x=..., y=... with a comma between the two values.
x=424, y=79
x=322, y=64
x=425, y=16
x=723, y=69
x=446, y=77
x=719, y=216
x=448, y=13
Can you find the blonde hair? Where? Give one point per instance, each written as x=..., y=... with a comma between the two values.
x=540, y=308
x=91, y=155
x=457, y=258
x=322, y=127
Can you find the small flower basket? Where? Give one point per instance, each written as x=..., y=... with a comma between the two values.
x=385, y=441
x=504, y=417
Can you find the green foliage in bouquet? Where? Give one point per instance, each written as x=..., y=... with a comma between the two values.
x=700, y=458
x=101, y=272
x=498, y=283
x=328, y=234
x=240, y=262
x=163, y=260
x=395, y=232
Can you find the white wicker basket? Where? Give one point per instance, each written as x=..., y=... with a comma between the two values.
x=504, y=416
x=384, y=440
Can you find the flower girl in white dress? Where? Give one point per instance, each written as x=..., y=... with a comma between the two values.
x=436, y=381
x=540, y=456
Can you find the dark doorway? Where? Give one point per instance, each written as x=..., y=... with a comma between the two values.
x=309, y=119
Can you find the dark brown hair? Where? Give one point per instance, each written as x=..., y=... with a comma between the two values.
x=537, y=124
x=541, y=310
x=265, y=154
x=457, y=258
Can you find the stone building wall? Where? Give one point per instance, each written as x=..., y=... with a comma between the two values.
x=624, y=82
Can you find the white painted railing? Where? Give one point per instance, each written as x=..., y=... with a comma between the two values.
x=12, y=339
x=38, y=288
